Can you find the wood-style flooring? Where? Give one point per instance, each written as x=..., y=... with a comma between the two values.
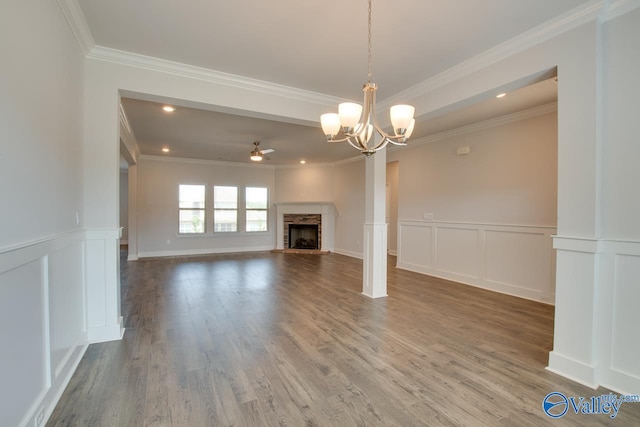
x=274, y=339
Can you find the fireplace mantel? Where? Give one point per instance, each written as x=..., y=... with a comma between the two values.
x=326, y=209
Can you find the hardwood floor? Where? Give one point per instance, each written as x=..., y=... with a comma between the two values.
x=267, y=339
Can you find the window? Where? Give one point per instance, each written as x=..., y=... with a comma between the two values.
x=191, y=208
x=225, y=209
x=257, y=202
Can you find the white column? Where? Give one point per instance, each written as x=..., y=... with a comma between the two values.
x=575, y=342
x=374, y=274
x=101, y=201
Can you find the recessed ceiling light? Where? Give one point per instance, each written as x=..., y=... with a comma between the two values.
x=302, y=162
x=165, y=149
x=168, y=109
x=501, y=95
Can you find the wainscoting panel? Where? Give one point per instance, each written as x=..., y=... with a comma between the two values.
x=102, y=254
x=625, y=316
x=421, y=240
x=42, y=322
x=516, y=260
x=508, y=261
x=457, y=251
x=596, y=335
x=66, y=304
x=626, y=320
x=22, y=326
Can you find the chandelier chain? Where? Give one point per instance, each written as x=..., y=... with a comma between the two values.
x=370, y=71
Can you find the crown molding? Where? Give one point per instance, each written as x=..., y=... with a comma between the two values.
x=124, y=120
x=617, y=8
x=77, y=22
x=169, y=159
x=130, y=141
x=552, y=28
x=116, y=56
x=306, y=165
x=485, y=124
x=204, y=162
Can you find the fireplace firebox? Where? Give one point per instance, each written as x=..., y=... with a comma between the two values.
x=303, y=236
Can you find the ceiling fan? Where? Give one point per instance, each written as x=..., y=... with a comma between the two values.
x=256, y=154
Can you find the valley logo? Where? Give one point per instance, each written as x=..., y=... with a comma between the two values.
x=556, y=404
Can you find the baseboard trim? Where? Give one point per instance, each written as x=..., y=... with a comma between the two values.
x=351, y=254
x=575, y=370
x=114, y=332
x=208, y=251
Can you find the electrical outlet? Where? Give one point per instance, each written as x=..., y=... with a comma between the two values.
x=428, y=216
x=40, y=418
x=168, y=242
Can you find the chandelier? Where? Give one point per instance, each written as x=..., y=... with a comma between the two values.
x=355, y=126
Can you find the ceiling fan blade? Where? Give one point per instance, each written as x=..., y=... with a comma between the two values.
x=267, y=151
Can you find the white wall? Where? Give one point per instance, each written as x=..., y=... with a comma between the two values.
x=158, y=181
x=393, y=177
x=305, y=183
x=41, y=114
x=349, y=199
x=510, y=177
x=42, y=299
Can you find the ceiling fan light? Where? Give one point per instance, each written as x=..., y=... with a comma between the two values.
x=401, y=116
x=330, y=124
x=349, y=113
x=256, y=156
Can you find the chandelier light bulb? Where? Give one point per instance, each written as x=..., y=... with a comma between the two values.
x=401, y=116
x=349, y=113
x=330, y=124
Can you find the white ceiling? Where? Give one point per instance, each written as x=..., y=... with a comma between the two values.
x=320, y=46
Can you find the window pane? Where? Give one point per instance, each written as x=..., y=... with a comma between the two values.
x=191, y=221
x=256, y=220
x=191, y=196
x=225, y=197
x=257, y=198
x=225, y=220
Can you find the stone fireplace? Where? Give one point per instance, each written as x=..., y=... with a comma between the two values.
x=305, y=226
